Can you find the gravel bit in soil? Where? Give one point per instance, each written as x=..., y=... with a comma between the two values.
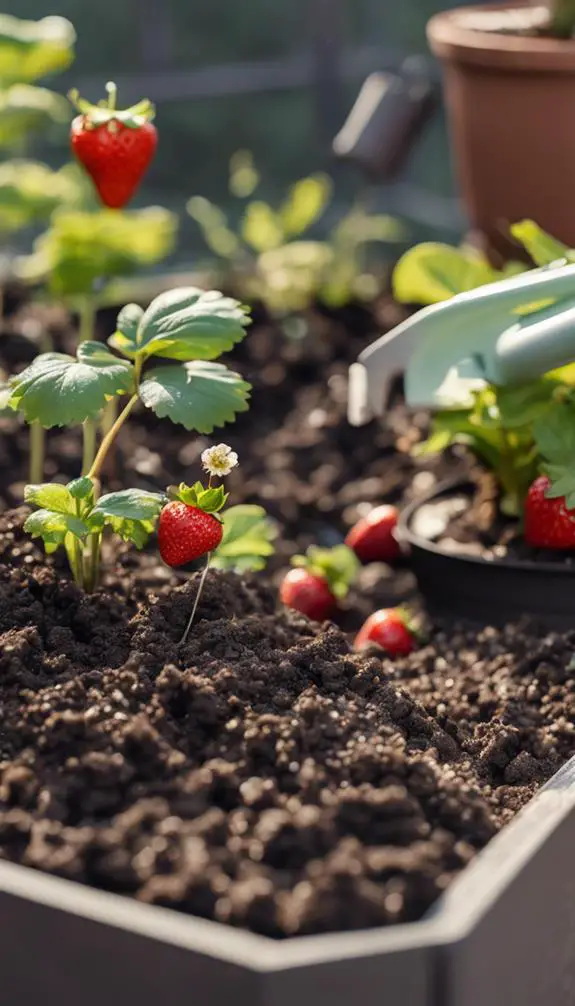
x=262, y=775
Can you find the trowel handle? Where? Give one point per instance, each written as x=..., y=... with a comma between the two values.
x=535, y=345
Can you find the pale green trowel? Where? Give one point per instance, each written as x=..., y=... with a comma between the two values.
x=504, y=333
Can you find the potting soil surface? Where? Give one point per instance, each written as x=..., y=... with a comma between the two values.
x=262, y=775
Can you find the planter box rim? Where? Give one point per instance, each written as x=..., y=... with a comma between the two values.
x=409, y=537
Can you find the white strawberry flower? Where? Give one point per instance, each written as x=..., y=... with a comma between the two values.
x=219, y=460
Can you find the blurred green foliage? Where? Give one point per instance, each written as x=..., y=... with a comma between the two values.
x=282, y=127
x=83, y=248
x=273, y=255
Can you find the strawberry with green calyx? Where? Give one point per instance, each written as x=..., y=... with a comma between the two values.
x=115, y=146
x=319, y=579
x=391, y=629
x=189, y=525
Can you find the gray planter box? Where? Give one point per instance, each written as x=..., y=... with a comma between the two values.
x=504, y=935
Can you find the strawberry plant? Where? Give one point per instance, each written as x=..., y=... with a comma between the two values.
x=162, y=359
x=82, y=252
x=524, y=429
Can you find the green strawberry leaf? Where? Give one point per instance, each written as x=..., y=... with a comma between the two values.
x=198, y=396
x=523, y=404
x=247, y=541
x=58, y=390
x=53, y=527
x=81, y=489
x=338, y=565
x=191, y=324
x=125, y=338
x=137, y=532
x=130, y=504
x=555, y=439
x=542, y=248
x=50, y=496
x=555, y=435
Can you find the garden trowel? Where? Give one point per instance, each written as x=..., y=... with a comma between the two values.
x=503, y=333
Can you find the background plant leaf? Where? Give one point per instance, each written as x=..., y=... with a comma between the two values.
x=432, y=272
x=33, y=49
x=199, y=395
x=305, y=203
x=542, y=248
x=82, y=248
x=247, y=541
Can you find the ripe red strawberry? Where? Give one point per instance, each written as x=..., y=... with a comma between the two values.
x=186, y=533
x=321, y=578
x=307, y=594
x=372, y=537
x=547, y=522
x=115, y=146
x=387, y=628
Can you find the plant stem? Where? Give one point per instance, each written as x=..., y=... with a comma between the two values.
x=94, y=561
x=89, y=448
x=112, y=92
x=87, y=319
x=37, y=451
x=110, y=437
x=197, y=600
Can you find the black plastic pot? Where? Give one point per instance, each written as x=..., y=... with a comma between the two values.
x=485, y=590
x=502, y=936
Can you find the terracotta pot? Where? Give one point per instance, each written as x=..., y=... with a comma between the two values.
x=511, y=105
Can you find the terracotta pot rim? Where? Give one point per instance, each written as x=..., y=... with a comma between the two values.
x=453, y=41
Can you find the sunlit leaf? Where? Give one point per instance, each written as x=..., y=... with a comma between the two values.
x=542, y=248
x=30, y=192
x=133, y=504
x=306, y=202
x=83, y=248
x=261, y=229
x=247, y=540
x=191, y=324
x=432, y=272
x=60, y=390
x=25, y=108
x=32, y=49
x=199, y=395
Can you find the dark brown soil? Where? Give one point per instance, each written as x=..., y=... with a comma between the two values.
x=261, y=775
